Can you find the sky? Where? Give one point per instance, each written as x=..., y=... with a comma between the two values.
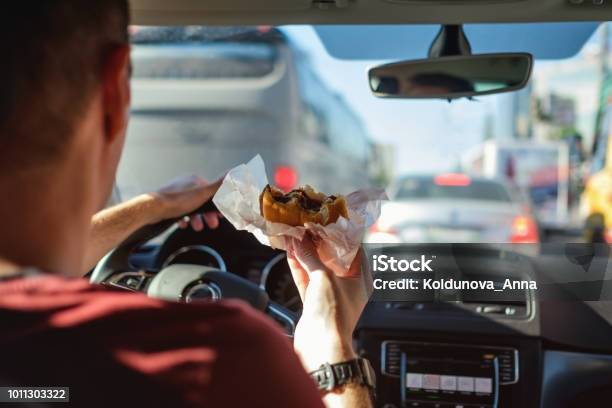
x=428, y=136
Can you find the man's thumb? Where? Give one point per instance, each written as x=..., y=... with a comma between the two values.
x=207, y=191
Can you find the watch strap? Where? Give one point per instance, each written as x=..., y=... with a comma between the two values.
x=332, y=376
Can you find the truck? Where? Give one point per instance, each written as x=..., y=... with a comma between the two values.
x=596, y=199
x=539, y=170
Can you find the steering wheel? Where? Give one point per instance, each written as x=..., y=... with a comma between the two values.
x=184, y=282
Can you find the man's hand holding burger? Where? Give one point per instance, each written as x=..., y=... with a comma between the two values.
x=332, y=306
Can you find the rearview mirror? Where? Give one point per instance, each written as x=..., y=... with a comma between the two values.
x=451, y=77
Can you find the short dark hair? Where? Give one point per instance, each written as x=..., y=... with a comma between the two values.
x=52, y=55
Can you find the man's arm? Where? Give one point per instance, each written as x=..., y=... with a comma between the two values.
x=332, y=307
x=111, y=226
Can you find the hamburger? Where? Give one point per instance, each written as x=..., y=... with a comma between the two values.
x=300, y=206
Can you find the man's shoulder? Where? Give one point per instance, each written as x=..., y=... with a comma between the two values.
x=73, y=302
x=198, y=352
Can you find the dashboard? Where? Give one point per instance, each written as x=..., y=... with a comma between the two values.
x=524, y=352
x=460, y=353
x=227, y=249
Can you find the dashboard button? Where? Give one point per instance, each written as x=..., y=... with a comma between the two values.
x=465, y=384
x=484, y=385
x=448, y=382
x=414, y=380
x=431, y=381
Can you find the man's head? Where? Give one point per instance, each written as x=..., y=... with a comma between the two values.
x=64, y=103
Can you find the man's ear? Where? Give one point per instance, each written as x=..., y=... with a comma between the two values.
x=116, y=92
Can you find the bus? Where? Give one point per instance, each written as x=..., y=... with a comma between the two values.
x=206, y=99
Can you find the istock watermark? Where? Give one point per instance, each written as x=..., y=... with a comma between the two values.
x=385, y=263
x=452, y=284
x=490, y=273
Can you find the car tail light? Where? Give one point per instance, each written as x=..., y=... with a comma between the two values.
x=524, y=230
x=452, y=179
x=377, y=227
x=285, y=178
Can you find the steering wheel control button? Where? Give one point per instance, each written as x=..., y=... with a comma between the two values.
x=203, y=292
x=131, y=282
x=128, y=280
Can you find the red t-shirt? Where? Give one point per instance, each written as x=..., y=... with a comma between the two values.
x=116, y=349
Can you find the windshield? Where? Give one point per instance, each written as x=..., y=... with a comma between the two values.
x=201, y=53
x=206, y=99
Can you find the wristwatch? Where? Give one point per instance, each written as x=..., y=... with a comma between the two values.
x=332, y=376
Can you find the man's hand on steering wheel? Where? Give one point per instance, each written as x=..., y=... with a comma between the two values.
x=183, y=196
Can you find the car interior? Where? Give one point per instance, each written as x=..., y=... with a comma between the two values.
x=550, y=347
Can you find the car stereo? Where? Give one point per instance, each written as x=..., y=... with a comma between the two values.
x=444, y=375
x=507, y=357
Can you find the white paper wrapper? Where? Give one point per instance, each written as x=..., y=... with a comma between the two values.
x=238, y=200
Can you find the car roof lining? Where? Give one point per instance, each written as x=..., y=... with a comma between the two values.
x=279, y=12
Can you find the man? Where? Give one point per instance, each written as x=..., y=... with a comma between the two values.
x=64, y=110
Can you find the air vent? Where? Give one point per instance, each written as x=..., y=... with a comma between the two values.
x=502, y=303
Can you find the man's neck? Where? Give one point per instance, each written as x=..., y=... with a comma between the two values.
x=45, y=223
